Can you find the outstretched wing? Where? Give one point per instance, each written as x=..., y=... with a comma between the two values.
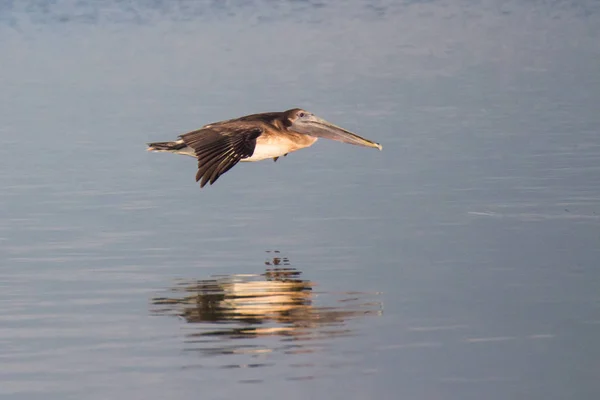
x=219, y=147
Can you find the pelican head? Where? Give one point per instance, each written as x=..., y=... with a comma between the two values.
x=302, y=121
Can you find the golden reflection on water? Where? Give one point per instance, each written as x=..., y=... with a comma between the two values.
x=276, y=302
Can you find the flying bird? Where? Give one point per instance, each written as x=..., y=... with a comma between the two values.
x=221, y=145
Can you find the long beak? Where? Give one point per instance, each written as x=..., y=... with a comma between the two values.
x=320, y=128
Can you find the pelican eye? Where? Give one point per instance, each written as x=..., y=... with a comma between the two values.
x=301, y=115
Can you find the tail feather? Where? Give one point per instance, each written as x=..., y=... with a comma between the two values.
x=177, y=147
x=166, y=146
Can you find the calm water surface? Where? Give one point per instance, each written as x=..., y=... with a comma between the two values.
x=459, y=263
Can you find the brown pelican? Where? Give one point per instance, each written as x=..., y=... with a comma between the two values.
x=221, y=145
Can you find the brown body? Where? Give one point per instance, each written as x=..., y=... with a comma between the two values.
x=221, y=145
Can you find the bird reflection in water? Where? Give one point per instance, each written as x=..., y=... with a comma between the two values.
x=277, y=302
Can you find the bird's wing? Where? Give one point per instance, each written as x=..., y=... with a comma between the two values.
x=219, y=147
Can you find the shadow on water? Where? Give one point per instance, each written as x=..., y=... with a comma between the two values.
x=275, y=303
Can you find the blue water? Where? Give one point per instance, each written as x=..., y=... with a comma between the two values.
x=461, y=262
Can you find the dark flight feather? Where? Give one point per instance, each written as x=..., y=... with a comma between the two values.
x=220, y=146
